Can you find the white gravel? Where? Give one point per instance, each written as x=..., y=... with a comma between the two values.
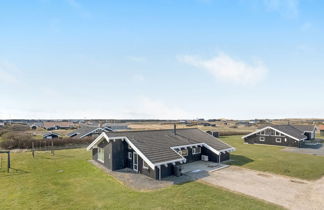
x=285, y=191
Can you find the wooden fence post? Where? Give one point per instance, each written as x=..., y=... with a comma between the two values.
x=33, y=150
x=8, y=161
x=52, y=150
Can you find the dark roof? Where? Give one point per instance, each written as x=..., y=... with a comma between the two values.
x=50, y=134
x=290, y=130
x=86, y=130
x=296, y=131
x=304, y=128
x=156, y=144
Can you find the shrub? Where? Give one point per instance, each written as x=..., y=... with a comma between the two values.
x=232, y=133
x=23, y=141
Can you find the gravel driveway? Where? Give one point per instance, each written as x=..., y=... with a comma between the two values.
x=285, y=191
x=310, y=149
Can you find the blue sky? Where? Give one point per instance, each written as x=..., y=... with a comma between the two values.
x=166, y=59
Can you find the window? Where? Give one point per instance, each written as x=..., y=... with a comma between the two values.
x=262, y=139
x=196, y=150
x=277, y=133
x=262, y=132
x=101, y=154
x=145, y=166
x=183, y=152
x=129, y=147
x=130, y=155
x=278, y=140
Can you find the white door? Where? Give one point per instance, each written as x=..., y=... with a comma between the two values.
x=135, y=161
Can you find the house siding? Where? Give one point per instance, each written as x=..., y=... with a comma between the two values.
x=214, y=157
x=148, y=172
x=192, y=157
x=285, y=140
x=167, y=171
x=322, y=132
x=116, y=157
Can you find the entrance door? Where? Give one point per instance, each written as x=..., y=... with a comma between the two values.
x=135, y=161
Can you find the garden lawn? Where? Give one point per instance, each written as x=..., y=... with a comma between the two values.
x=272, y=159
x=68, y=181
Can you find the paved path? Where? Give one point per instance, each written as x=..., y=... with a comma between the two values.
x=288, y=192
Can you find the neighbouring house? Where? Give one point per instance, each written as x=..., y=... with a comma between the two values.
x=157, y=153
x=51, y=135
x=321, y=128
x=55, y=125
x=213, y=133
x=88, y=131
x=35, y=125
x=283, y=135
x=116, y=126
x=2, y=124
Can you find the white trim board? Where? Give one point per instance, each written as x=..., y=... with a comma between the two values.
x=269, y=127
x=104, y=135
x=94, y=130
x=153, y=165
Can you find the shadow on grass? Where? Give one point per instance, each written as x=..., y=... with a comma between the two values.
x=12, y=172
x=49, y=156
x=239, y=160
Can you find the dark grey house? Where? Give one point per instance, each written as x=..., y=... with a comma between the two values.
x=51, y=135
x=88, y=131
x=283, y=135
x=157, y=153
x=321, y=129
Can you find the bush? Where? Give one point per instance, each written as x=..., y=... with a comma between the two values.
x=19, y=127
x=23, y=141
x=232, y=133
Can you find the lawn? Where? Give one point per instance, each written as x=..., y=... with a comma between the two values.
x=68, y=181
x=273, y=159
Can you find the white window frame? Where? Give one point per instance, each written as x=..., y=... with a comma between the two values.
x=262, y=138
x=130, y=155
x=278, y=141
x=194, y=150
x=277, y=133
x=181, y=153
x=145, y=167
x=101, y=152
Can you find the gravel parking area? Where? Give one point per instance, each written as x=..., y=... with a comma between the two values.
x=141, y=182
x=307, y=149
x=285, y=191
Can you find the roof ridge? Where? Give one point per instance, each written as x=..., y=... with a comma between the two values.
x=154, y=130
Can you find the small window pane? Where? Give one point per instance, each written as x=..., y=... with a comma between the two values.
x=145, y=166
x=184, y=152
x=101, y=154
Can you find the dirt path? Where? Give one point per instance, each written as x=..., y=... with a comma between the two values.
x=288, y=192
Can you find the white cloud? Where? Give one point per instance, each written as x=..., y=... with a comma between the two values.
x=7, y=71
x=148, y=108
x=287, y=8
x=227, y=69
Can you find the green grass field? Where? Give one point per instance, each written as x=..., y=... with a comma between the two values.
x=68, y=181
x=273, y=159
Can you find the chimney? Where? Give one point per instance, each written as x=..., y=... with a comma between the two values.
x=175, y=129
